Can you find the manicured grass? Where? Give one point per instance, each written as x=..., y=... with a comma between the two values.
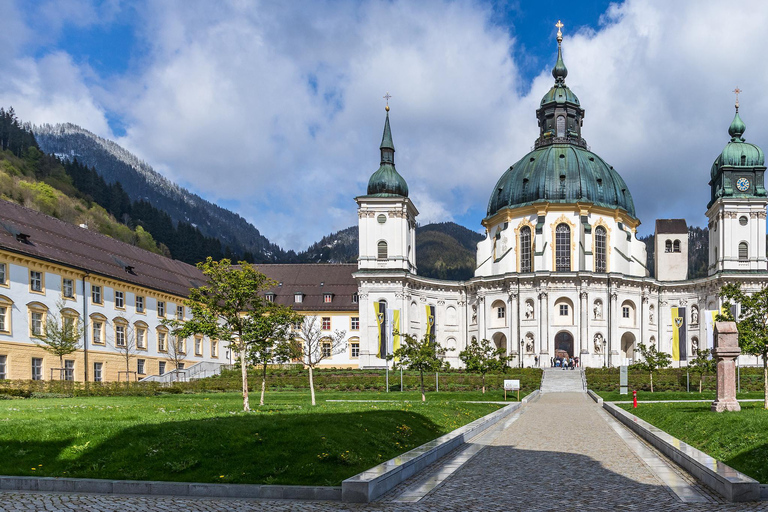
x=736, y=438
x=207, y=437
x=614, y=396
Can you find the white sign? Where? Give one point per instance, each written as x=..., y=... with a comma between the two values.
x=511, y=385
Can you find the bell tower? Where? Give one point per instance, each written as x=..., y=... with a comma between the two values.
x=386, y=216
x=736, y=210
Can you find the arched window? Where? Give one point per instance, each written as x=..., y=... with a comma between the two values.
x=563, y=248
x=676, y=246
x=560, y=126
x=600, y=241
x=382, y=250
x=525, y=250
x=743, y=251
x=668, y=246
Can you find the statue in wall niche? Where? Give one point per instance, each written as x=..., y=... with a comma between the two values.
x=474, y=313
x=528, y=310
x=695, y=347
x=529, y=343
x=598, y=310
x=598, y=343
x=650, y=316
x=694, y=316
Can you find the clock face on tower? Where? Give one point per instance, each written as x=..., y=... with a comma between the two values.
x=742, y=184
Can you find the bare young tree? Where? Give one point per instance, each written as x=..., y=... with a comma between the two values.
x=60, y=334
x=177, y=353
x=124, y=343
x=318, y=344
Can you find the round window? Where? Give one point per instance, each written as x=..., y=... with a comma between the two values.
x=743, y=220
x=381, y=218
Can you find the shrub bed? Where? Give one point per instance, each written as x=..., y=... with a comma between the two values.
x=278, y=379
x=668, y=379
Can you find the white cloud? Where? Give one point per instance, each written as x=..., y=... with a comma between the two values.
x=277, y=106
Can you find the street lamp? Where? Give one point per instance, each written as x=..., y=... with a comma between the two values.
x=605, y=352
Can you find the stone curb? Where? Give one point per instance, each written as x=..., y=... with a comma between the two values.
x=731, y=484
x=372, y=483
x=594, y=396
x=152, y=488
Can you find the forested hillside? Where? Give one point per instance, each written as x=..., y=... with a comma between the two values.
x=142, y=184
x=443, y=251
x=39, y=181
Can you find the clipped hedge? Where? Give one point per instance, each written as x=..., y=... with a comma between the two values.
x=289, y=378
x=668, y=379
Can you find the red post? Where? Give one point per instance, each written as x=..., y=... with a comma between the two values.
x=634, y=398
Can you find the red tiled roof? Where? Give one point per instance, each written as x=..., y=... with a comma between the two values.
x=314, y=280
x=57, y=241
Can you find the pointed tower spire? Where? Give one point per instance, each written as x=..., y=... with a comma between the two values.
x=559, y=71
x=386, y=181
x=737, y=128
x=387, y=146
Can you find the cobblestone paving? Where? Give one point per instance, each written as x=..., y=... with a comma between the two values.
x=559, y=455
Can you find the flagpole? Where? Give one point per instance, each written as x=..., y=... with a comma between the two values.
x=387, y=361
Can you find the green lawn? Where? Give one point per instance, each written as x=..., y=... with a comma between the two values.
x=737, y=438
x=614, y=396
x=207, y=437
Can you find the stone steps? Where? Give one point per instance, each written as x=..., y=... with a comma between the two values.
x=557, y=380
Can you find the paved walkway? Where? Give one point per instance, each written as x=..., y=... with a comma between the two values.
x=562, y=453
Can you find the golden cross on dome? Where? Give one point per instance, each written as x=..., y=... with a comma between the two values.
x=559, y=25
x=737, y=91
x=386, y=97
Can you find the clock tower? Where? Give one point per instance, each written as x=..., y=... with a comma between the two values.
x=736, y=210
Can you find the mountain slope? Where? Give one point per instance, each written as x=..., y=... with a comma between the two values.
x=142, y=183
x=443, y=251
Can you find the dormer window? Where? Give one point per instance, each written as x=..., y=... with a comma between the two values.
x=327, y=298
x=270, y=297
x=355, y=298
x=298, y=297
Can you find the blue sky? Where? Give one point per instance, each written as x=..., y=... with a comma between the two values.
x=274, y=109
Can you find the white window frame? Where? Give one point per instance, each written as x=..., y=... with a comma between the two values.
x=119, y=299
x=161, y=308
x=180, y=313
x=37, y=369
x=323, y=323
x=121, y=336
x=354, y=324
x=141, y=366
x=96, y=296
x=3, y=367
x=139, y=303
x=3, y=274
x=67, y=288
x=36, y=283
x=98, y=369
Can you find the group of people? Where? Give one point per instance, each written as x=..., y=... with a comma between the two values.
x=566, y=363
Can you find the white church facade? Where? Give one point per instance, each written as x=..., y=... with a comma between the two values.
x=561, y=270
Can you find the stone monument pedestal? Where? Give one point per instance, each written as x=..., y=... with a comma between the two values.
x=726, y=351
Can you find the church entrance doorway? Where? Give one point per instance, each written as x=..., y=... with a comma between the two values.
x=563, y=344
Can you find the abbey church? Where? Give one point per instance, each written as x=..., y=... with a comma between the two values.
x=561, y=270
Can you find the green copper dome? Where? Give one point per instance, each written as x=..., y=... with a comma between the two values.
x=738, y=153
x=561, y=173
x=561, y=168
x=387, y=182
x=560, y=94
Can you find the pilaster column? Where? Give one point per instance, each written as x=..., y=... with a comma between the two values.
x=482, y=331
x=583, y=343
x=613, y=340
x=544, y=322
x=513, y=335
